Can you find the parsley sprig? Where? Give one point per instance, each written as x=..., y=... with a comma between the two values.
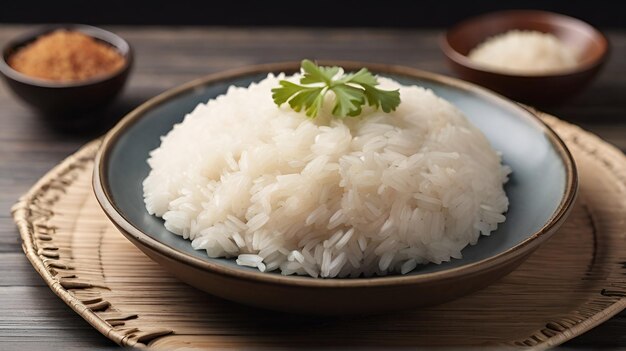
x=352, y=91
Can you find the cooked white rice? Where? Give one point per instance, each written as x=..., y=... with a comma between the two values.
x=327, y=197
x=524, y=51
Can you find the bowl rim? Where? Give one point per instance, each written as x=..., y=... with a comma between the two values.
x=463, y=60
x=103, y=194
x=114, y=40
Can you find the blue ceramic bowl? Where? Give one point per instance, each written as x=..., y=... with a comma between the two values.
x=541, y=191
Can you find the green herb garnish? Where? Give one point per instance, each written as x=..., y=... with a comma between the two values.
x=351, y=90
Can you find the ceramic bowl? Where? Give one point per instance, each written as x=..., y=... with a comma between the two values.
x=537, y=89
x=541, y=190
x=68, y=105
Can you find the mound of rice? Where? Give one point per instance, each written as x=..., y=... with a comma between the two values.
x=327, y=197
x=524, y=51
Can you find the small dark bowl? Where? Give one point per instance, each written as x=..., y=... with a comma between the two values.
x=539, y=89
x=67, y=104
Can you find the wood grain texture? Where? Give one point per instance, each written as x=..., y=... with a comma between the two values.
x=169, y=56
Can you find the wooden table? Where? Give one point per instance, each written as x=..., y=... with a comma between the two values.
x=32, y=317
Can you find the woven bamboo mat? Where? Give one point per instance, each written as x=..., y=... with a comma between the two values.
x=571, y=284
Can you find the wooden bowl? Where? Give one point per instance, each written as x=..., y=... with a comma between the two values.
x=539, y=89
x=67, y=105
x=541, y=193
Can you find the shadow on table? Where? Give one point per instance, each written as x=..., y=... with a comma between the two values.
x=96, y=123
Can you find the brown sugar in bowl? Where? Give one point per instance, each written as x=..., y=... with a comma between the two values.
x=70, y=103
x=539, y=89
x=66, y=56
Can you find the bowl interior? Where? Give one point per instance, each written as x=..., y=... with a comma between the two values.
x=536, y=188
x=99, y=34
x=589, y=44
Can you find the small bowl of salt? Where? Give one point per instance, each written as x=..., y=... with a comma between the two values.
x=536, y=57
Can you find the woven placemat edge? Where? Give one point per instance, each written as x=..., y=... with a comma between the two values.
x=21, y=211
x=590, y=142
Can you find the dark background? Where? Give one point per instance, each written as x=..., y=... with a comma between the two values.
x=336, y=13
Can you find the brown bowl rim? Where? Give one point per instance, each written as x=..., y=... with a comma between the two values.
x=104, y=197
x=98, y=33
x=463, y=60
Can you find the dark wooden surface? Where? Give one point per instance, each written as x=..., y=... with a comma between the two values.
x=32, y=317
